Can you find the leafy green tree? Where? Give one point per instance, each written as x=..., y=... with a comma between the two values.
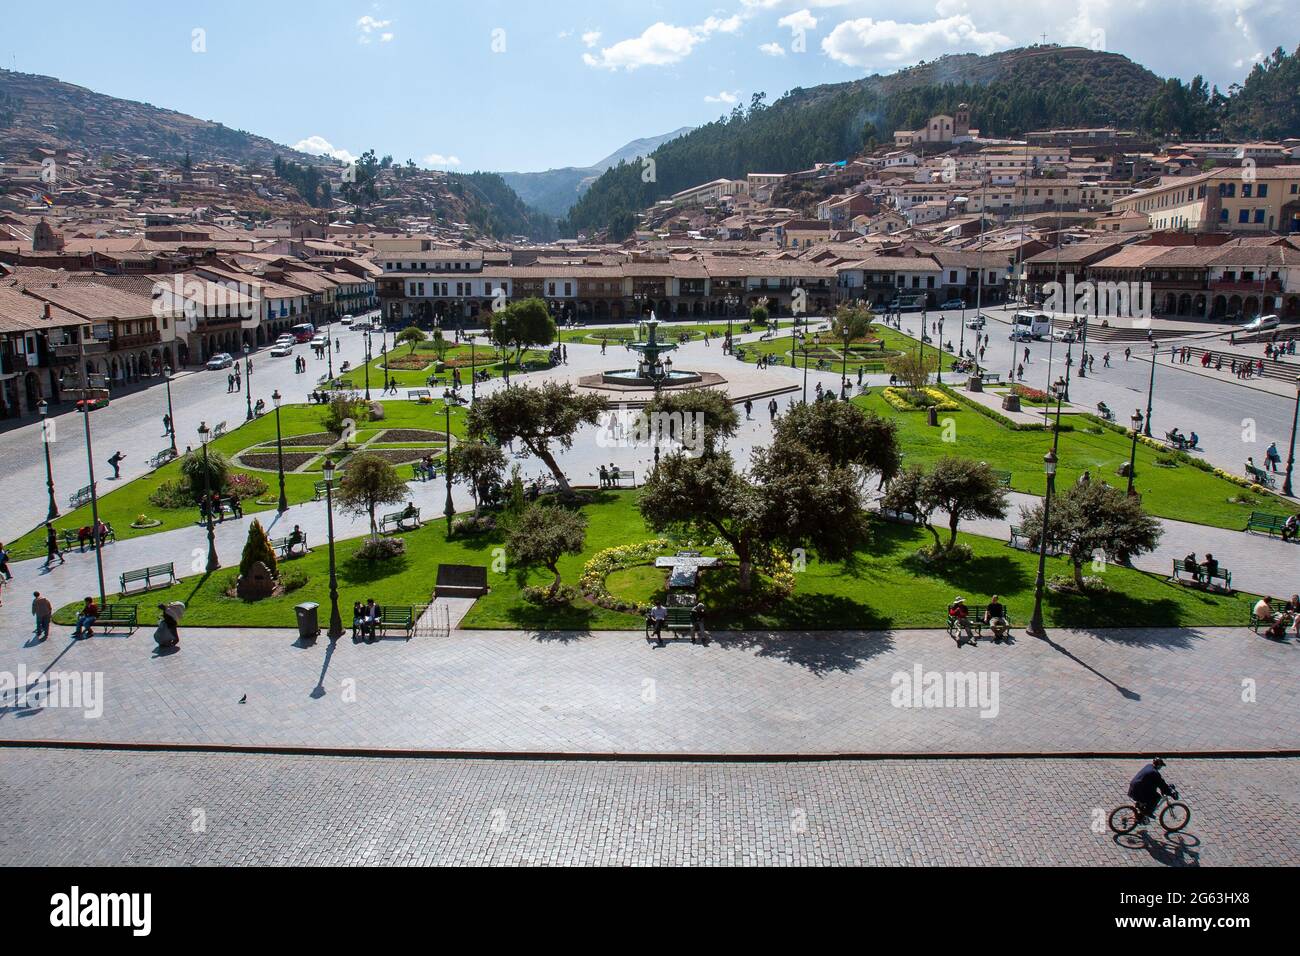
x=964, y=489
x=258, y=548
x=412, y=337
x=368, y=482
x=847, y=435
x=1094, y=519
x=542, y=534
x=541, y=418
x=913, y=368
x=714, y=409
x=476, y=465
x=523, y=324
x=851, y=322
x=210, y=472
x=343, y=407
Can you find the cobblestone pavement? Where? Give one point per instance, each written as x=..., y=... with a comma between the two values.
x=747, y=693
x=179, y=809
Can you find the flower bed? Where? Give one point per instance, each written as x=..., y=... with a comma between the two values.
x=902, y=400
x=1028, y=394
x=396, y=456
x=407, y=363
x=394, y=435
x=269, y=462
x=315, y=438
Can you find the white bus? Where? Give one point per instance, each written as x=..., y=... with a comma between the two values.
x=1031, y=325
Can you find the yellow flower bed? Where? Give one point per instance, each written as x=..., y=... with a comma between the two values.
x=897, y=399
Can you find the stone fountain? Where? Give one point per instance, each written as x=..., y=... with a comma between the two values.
x=653, y=370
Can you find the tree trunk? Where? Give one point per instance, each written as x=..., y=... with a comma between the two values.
x=549, y=460
x=374, y=529
x=1078, y=574
x=746, y=567
x=952, y=529
x=555, y=585
x=938, y=544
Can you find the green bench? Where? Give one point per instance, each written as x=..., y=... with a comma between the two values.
x=218, y=430
x=415, y=394
x=397, y=619
x=398, y=519
x=1260, y=477
x=1198, y=578
x=114, y=617
x=318, y=490
x=71, y=541
x=975, y=614
x=678, y=621
x=79, y=497
x=1278, y=607
x=160, y=459
x=150, y=576
x=1018, y=533
x=1265, y=523
x=285, y=549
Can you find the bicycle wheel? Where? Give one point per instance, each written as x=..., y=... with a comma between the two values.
x=1124, y=819
x=1175, y=816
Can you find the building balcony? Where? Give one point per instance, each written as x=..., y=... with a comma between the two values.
x=1245, y=288
x=140, y=340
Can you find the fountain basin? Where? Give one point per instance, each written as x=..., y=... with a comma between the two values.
x=633, y=377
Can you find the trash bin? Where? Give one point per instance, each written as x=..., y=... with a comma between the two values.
x=308, y=628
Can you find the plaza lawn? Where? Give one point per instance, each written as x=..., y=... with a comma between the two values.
x=1182, y=492
x=891, y=343
x=669, y=331
x=484, y=357
x=885, y=587
x=120, y=503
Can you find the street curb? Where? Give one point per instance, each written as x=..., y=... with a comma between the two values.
x=629, y=757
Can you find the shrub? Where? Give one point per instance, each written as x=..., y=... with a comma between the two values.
x=258, y=548
x=381, y=549
x=244, y=486
x=291, y=579
x=205, y=470
x=173, y=495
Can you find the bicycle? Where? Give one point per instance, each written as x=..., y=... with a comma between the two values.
x=1173, y=816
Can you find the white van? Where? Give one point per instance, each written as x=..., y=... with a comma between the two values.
x=1262, y=324
x=1030, y=325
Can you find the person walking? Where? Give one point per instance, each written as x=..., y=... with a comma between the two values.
x=771, y=409
x=167, y=425
x=42, y=610
x=116, y=462
x=1128, y=353
x=52, y=546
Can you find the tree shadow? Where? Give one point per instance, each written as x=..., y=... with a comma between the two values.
x=819, y=654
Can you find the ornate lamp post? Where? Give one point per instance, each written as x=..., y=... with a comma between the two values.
x=213, y=563
x=449, y=509
x=367, y=366
x=248, y=383
x=938, y=369
x=732, y=301
x=336, y=622
x=473, y=367
x=1132, y=456
x=279, y=453
x=1083, y=348
x=43, y=407
x=804, y=347
x=171, y=415
x=1151, y=389
x=1036, y=623
x=1290, y=459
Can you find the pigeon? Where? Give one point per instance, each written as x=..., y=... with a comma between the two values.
x=244, y=699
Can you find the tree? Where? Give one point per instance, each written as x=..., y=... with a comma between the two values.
x=368, y=482
x=1094, y=519
x=523, y=324
x=851, y=322
x=758, y=315
x=411, y=336
x=476, y=465
x=846, y=434
x=964, y=489
x=440, y=345
x=205, y=472
x=914, y=368
x=258, y=548
x=343, y=407
x=537, y=417
x=706, y=406
x=542, y=534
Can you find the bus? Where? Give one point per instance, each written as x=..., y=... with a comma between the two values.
x=303, y=332
x=1030, y=325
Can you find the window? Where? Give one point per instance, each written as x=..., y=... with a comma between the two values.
x=1243, y=215
x=1223, y=215
x=1245, y=190
x=550, y=288
x=1259, y=215
x=1262, y=191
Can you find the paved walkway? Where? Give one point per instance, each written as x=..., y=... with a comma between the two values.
x=747, y=693
x=121, y=809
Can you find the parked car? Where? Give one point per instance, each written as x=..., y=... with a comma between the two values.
x=285, y=339
x=1063, y=335
x=346, y=320
x=281, y=349
x=221, y=360
x=1261, y=324
x=319, y=341
x=954, y=304
x=975, y=322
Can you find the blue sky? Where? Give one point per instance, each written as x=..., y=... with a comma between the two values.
x=523, y=84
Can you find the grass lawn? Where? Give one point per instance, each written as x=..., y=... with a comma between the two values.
x=120, y=505
x=1182, y=492
x=484, y=358
x=669, y=331
x=885, y=587
x=891, y=343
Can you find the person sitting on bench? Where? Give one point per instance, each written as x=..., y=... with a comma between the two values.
x=410, y=512
x=86, y=617
x=296, y=537
x=658, y=616
x=1192, y=566
x=1290, y=526
x=1105, y=411
x=1210, y=569
x=959, y=615
x=995, y=616
x=604, y=477
x=369, y=619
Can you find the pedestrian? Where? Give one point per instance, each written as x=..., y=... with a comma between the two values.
x=1026, y=354
x=337, y=346
x=42, y=610
x=52, y=546
x=167, y=424
x=1128, y=353
x=230, y=381
x=1020, y=372
x=116, y=462
x=697, y=623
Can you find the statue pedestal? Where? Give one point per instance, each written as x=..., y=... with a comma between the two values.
x=975, y=383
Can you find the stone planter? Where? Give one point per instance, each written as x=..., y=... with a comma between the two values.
x=1011, y=403
x=975, y=384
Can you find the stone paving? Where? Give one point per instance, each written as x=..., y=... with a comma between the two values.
x=129, y=809
x=1175, y=690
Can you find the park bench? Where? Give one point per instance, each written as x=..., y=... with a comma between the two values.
x=398, y=519
x=678, y=622
x=160, y=459
x=1106, y=413
x=397, y=619
x=418, y=394
x=218, y=430
x=114, y=617
x=418, y=475
x=150, y=576
x=70, y=539
x=1265, y=523
x=285, y=549
x=740, y=355
x=1178, y=441
x=318, y=490
x=227, y=506
x=975, y=614
x=79, y=497
x=1260, y=476
x=1278, y=607
x=1018, y=533
x=1198, y=578
x=991, y=378
x=621, y=475
x=1003, y=477
x=903, y=517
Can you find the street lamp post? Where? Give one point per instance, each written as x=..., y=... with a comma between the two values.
x=1036, y=622
x=171, y=415
x=53, y=512
x=473, y=367
x=804, y=347
x=1151, y=389
x=367, y=364
x=329, y=352
x=1290, y=459
x=279, y=453
x=449, y=509
x=1083, y=348
x=336, y=623
x=938, y=372
x=1132, y=456
x=96, y=538
x=248, y=383
x=213, y=564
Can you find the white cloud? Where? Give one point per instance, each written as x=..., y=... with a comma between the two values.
x=772, y=49
x=661, y=44
x=878, y=44
x=439, y=161
x=591, y=38
x=800, y=20
x=320, y=146
x=370, y=27
x=723, y=97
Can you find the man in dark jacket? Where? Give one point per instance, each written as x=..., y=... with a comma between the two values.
x=1147, y=788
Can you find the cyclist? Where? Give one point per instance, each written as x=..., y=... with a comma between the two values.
x=1147, y=788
